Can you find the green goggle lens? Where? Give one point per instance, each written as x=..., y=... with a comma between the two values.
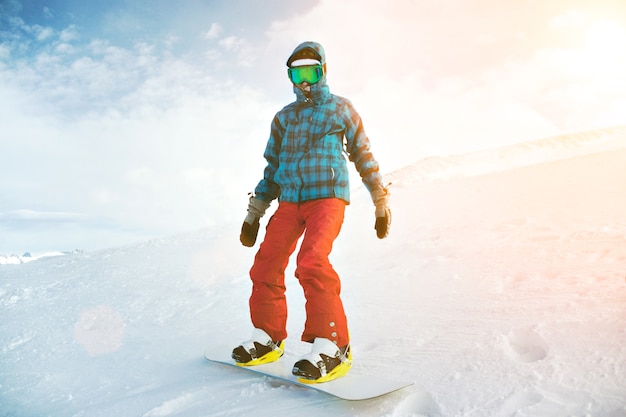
x=309, y=73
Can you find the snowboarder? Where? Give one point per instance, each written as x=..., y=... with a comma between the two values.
x=307, y=171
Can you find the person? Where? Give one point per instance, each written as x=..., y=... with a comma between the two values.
x=307, y=171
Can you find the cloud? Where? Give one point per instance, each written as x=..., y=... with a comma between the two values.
x=39, y=215
x=16, y=220
x=68, y=34
x=42, y=33
x=136, y=137
x=417, y=76
x=214, y=31
x=165, y=132
x=10, y=7
x=48, y=13
x=453, y=76
x=5, y=52
x=570, y=19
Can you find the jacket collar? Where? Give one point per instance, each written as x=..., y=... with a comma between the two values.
x=319, y=93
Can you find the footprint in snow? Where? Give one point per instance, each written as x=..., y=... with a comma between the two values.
x=525, y=345
x=421, y=403
x=519, y=401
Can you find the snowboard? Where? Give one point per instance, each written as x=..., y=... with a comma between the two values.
x=354, y=386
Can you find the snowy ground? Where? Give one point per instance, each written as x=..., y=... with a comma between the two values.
x=499, y=294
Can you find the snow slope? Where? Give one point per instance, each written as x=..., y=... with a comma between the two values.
x=501, y=294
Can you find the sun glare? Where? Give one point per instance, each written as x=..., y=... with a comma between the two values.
x=604, y=54
x=606, y=38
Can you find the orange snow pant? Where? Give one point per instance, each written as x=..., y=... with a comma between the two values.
x=320, y=221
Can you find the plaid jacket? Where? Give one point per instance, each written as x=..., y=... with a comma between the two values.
x=306, y=148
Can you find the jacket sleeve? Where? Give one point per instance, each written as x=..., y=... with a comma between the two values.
x=358, y=149
x=267, y=190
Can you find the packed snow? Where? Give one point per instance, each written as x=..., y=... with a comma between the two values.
x=501, y=291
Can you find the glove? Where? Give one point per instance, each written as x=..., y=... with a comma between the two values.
x=250, y=228
x=380, y=197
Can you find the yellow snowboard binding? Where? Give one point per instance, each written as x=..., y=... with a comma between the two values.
x=326, y=362
x=258, y=350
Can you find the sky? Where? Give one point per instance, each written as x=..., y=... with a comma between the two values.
x=128, y=120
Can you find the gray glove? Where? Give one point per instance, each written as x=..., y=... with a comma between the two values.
x=250, y=227
x=380, y=197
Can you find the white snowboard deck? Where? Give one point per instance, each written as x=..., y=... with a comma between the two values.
x=353, y=386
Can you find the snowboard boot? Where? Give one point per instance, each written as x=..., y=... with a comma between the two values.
x=258, y=350
x=325, y=362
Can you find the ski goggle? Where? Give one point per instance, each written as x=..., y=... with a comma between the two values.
x=309, y=73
